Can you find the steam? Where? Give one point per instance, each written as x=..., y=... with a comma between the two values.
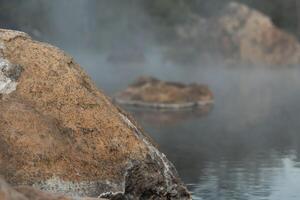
x=93, y=30
x=97, y=25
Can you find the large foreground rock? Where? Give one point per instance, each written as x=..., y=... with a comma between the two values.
x=59, y=133
x=241, y=34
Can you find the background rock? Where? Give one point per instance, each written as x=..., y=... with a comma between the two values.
x=255, y=38
x=241, y=34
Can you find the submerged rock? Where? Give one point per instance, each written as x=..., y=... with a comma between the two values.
x=151, y=92
x=241, y=34
x=59, y=133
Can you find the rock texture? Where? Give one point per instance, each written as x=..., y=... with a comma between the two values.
x=151, y=92
x=59, y=133
x=241, y=34
x=29, y=193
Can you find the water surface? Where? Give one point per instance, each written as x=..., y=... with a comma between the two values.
x=247, y=147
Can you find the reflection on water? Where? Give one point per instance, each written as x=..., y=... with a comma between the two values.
x=159, y=117
x=247, y=147
x=275, y=178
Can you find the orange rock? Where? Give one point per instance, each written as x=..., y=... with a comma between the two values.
x=151, y=92
x=59, y=133
x=239, y=34
x=256, y=39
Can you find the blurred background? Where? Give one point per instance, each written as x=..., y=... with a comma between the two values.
x=247, y=146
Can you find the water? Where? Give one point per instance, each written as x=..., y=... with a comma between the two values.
x=247, y=147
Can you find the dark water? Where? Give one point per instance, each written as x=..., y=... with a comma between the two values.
x=247, y=147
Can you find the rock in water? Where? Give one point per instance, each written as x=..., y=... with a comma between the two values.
x=151, y=92
x=60, y=133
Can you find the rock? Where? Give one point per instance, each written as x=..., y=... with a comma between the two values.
x=24, y=193
x=59, y=133
x=29, y=193
x=151, y=92
x=255, y=39
x=242, y=34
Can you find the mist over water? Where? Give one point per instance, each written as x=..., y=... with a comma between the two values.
x=247, y=147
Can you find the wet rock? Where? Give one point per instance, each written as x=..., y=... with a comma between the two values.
x=241, y=34
x=151, y=92
x=59, y=133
